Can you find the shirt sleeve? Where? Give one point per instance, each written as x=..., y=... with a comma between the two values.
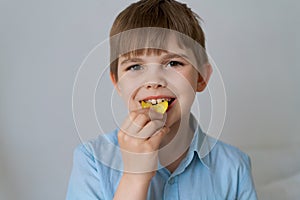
x=246, y=189
x=84, y=181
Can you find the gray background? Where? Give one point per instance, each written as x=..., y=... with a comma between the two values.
x=254, y=43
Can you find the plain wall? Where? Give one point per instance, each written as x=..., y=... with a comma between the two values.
x=255, y=45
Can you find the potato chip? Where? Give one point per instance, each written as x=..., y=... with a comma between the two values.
x=160, y=107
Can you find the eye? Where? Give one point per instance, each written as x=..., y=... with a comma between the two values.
x=174, y=64
x=134, y=68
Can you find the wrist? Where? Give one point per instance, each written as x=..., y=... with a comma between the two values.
x=133, y=186
x=138, y=178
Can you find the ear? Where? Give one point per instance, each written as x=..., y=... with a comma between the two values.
x=115, y=83
x=204, y=77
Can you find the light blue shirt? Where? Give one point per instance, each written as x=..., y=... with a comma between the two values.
x=211, y=170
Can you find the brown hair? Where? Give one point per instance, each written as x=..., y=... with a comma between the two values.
x=166, y=14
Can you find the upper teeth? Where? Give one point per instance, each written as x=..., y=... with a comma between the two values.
x=156, y=101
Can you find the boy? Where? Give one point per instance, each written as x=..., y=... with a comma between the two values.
x=158, y=63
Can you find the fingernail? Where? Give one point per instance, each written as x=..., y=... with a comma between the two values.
x=155, y=115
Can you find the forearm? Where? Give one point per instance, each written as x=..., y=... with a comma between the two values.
x=133, y=187
x=139, y=140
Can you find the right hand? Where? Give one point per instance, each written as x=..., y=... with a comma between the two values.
x=139, y=139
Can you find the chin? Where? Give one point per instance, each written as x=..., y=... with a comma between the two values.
x=172, y=121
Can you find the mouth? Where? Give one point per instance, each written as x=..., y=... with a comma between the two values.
x=157, y=100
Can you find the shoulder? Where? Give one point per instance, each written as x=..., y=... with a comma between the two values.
x=102, y=142
x=103, y=151
x=231, y=152
x=230, y=162
x=228, y=156
x=90, y=147
x=91, y=175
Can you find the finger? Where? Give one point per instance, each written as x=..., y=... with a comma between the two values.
x=155, y=115
x=138, y=124
x=144, y=117
x=128, y=120
x=150, y=128
x=131, y=117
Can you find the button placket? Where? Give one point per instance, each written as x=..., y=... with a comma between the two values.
x=171, y=189
x=171, y=181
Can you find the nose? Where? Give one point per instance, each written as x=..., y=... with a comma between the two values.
x=155, y=85
x=155, y=77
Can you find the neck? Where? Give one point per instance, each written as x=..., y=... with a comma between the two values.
x=176, y=144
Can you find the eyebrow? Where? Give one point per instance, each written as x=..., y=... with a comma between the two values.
x=166, y=57
x=135, y=59
x=174, y=55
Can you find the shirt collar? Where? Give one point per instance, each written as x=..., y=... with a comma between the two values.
x=198, y=148
x=201, y=143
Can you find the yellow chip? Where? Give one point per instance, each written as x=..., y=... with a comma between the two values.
x=146, y=104
x=160, y=107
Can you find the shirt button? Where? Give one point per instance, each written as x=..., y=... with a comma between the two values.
x=171, y=181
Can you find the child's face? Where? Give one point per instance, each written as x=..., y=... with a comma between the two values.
x=166, y=75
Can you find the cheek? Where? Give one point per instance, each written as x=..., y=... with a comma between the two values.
x=192, y=77
x=185, y=87
x=188, y=80
x=127, y=90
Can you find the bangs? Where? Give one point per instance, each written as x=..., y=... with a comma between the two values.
x=141, y=52
x=151, y=40
x=139, y=41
